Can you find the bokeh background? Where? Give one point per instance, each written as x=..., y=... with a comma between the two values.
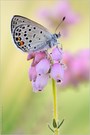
x=26, y=112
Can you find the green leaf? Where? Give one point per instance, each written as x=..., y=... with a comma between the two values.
x=50, y=128
x=54, y=123
x=60, y=123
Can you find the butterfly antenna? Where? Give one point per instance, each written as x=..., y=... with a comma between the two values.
x=60, y=23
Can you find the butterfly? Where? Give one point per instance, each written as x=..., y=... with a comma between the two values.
x=29, y=36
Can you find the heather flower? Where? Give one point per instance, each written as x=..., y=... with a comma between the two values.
x=57, y=72
x=77, y=68
x=40, y=83
x=32, y=73
x=57, y=54
x=44, y=66
x=36, y=57
x=80, y=64
x=47, y=66
x=57, y=12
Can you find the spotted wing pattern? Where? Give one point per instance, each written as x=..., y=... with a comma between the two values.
x=28, y=35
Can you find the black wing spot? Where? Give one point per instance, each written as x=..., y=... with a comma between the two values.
x=16, y=34
x=35, y=47
x=34, y=35
x=25, y=35
x=29, y=29
x=26, y=38
x=30, y=41
x=29, y=45
x=19, y=43
x=23, y=27
x=28, y=25
x=16, y=38
x=19, y=30
x=40, y=31
x=19, y=34
x=39, y=38
x=25, y=31
x=34, y=27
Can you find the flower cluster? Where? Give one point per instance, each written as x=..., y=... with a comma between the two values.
x=44, y=66
x=78, y=67
x=57, y=12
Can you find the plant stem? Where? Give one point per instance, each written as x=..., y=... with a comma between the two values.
x=55, y=104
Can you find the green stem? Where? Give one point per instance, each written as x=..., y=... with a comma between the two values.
x=55, y=104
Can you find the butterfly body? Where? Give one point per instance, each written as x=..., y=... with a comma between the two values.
x=30, y=36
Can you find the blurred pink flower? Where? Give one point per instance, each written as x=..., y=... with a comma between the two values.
x=54, y=15
x=45, y=66
x=77, y=67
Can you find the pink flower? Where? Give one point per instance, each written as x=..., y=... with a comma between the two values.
x=77, y=67
x=45, y=66
x=30, y=56
x=57, y=12
x=57, y=54
x=36, y=57
x=40, y=82
x=32, y=73
x=80, y=65
x=57, y=72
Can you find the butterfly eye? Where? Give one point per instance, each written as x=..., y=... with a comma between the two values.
x=56, y=35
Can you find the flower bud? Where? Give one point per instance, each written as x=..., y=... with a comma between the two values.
x=43, y=66
x=40, y=83
x=57, y=54
x=57, y=72
x=38, y=57
x=32, y=73
x=30, y=56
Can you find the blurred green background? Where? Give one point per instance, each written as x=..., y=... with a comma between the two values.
x=25, y=112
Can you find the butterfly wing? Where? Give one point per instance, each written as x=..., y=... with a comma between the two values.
x=28, y=35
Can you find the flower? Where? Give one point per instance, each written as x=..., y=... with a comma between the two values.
x=57, y=72
x=77, y=68
x=32, y=73
x=57, y=12
x=57, y=54
x=44, y=66
x=40, y=83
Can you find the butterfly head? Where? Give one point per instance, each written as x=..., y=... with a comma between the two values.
x=56, y=36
